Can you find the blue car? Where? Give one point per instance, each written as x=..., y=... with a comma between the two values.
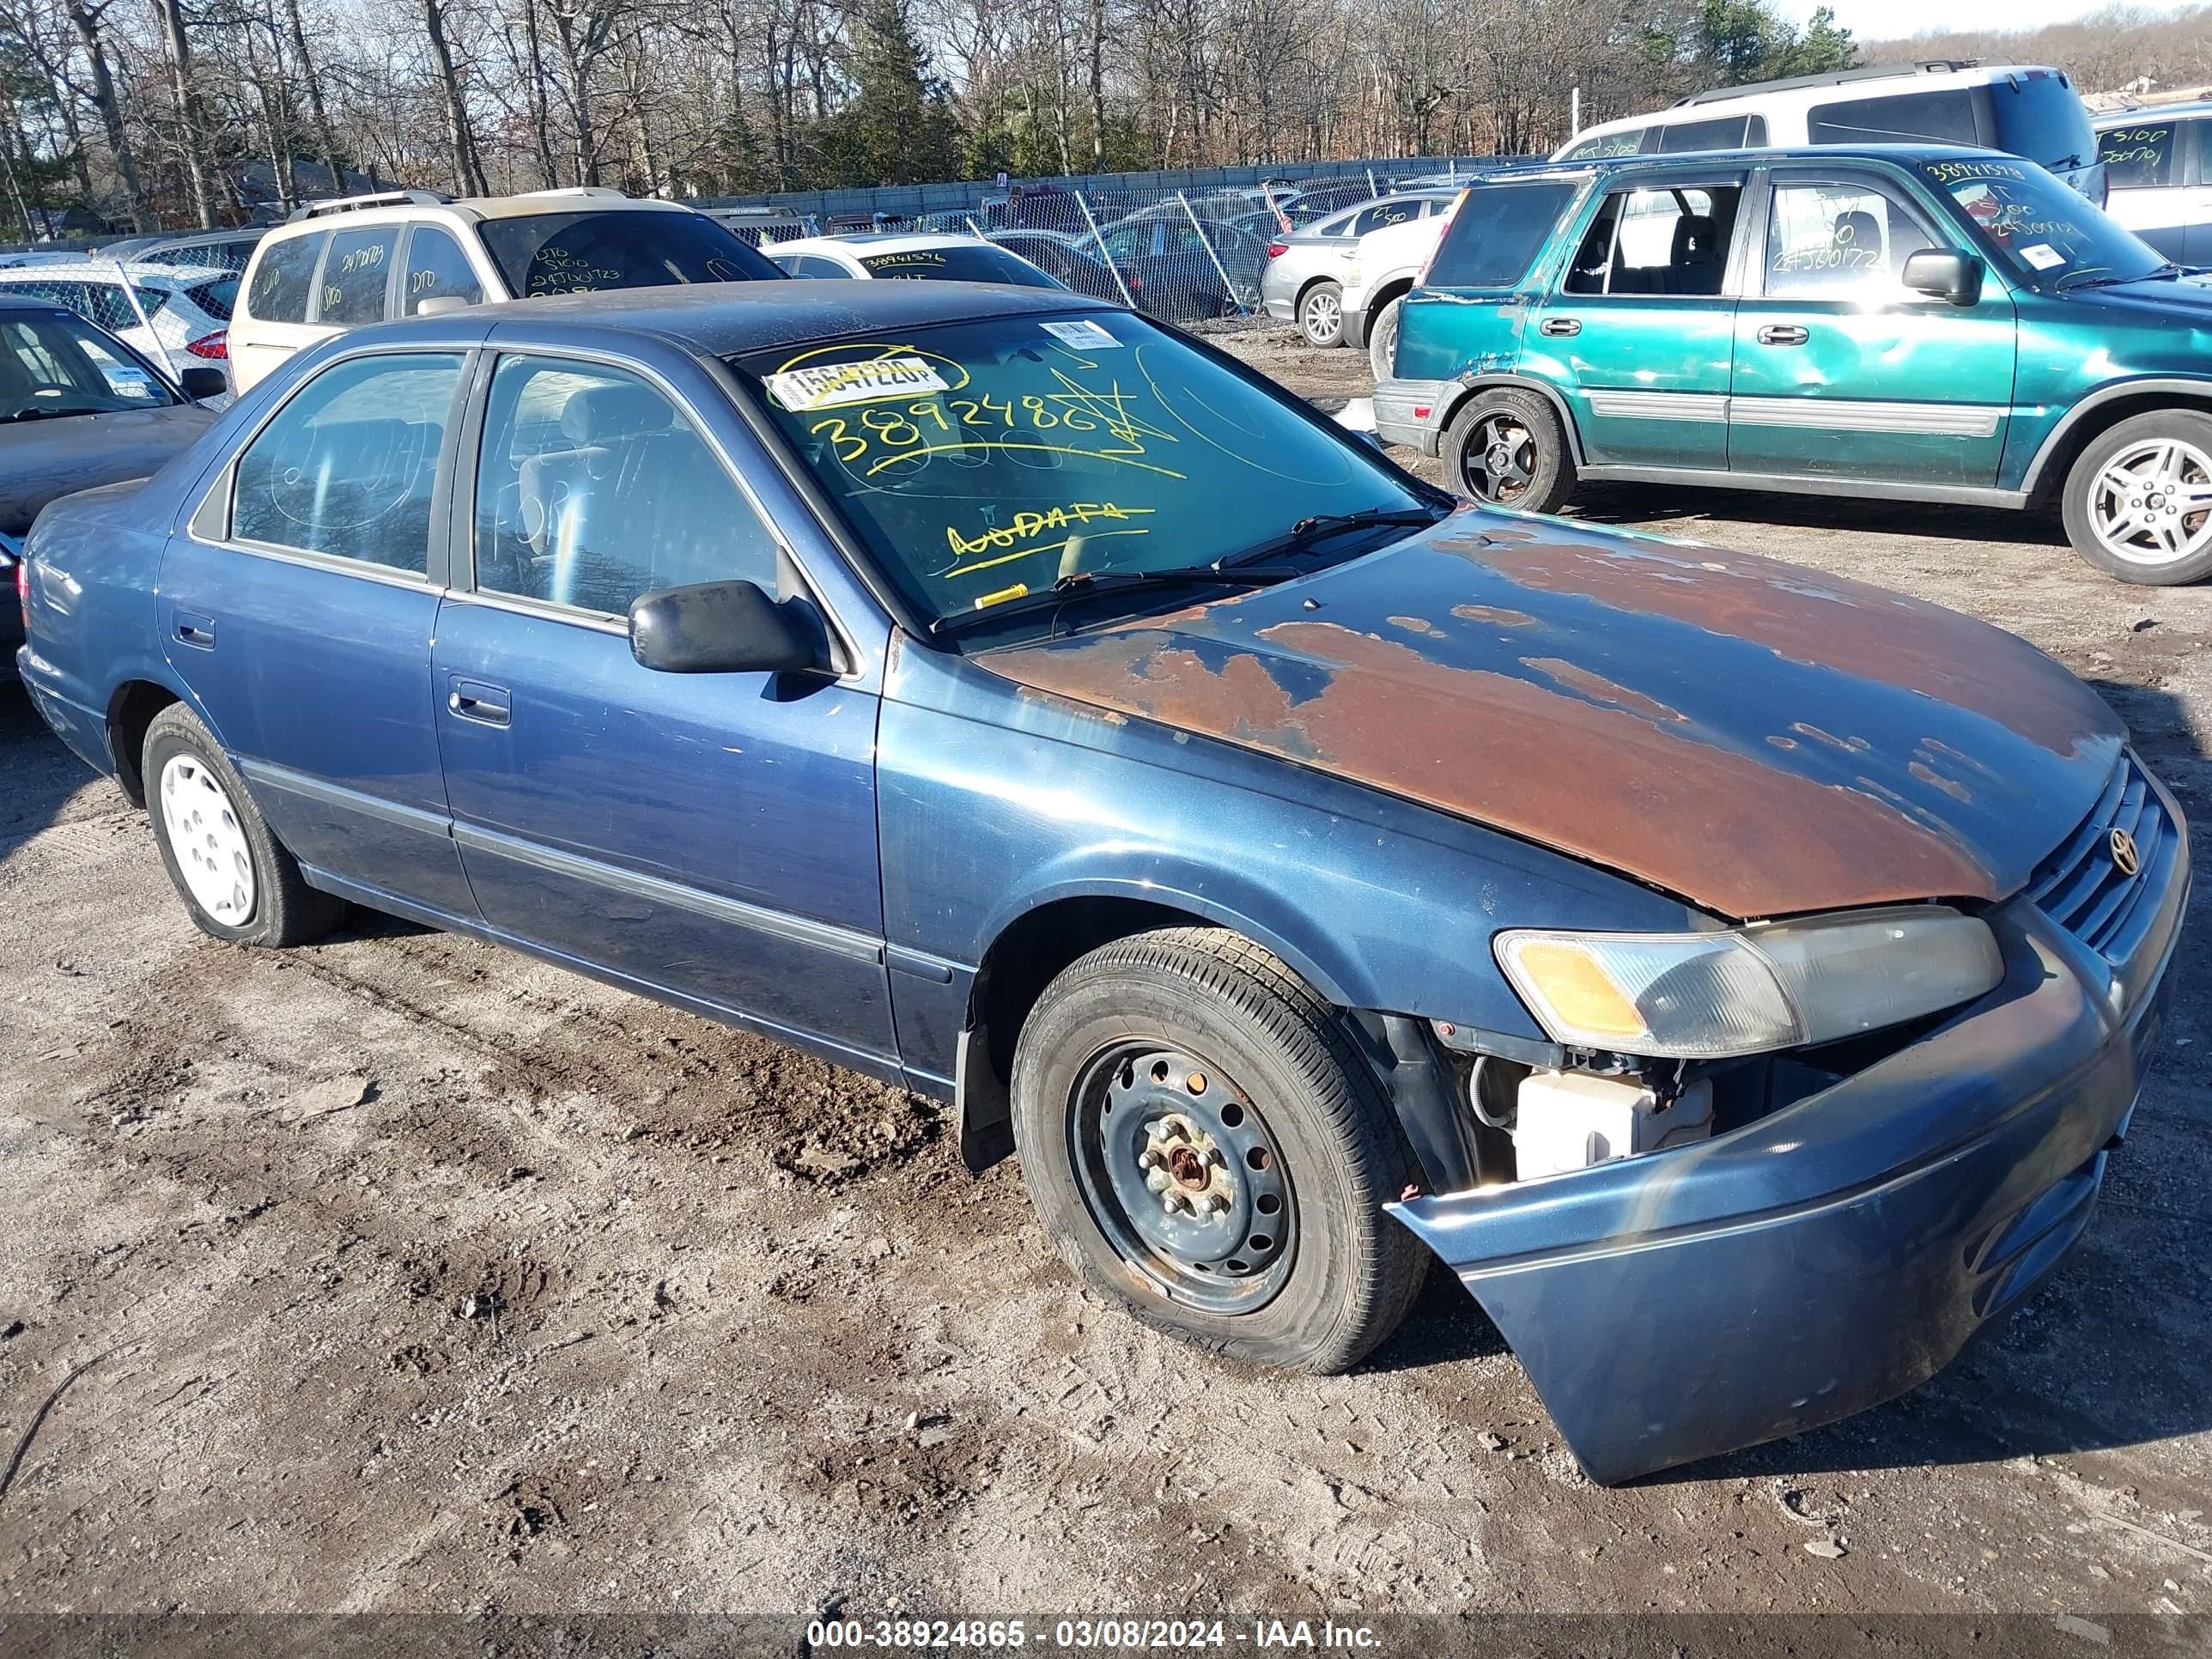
x=1738, y=976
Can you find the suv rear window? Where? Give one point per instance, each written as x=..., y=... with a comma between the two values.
x=1904, y=117
x=284, y=278
x=587, y=251
x=1496, y=232
x=2037, y=115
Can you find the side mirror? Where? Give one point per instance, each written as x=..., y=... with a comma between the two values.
x=441, y=304
x=725, y=628
x=202, y=381
x=1944, y=274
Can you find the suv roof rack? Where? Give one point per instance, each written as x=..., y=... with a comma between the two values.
x=1841, y=77
x=576, y=190
x=380, y=198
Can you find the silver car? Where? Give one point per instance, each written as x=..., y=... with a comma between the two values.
x=1305, y=279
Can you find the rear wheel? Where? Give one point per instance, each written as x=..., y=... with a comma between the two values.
x=1321, y=314
x=237, y=881
x=2138, y=500
x=1507, y=448
x=1382, y=341
x=1206, y=1147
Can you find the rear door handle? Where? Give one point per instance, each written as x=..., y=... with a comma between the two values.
x=478, y=701
x=1559, y=327
x=1782, y=334
x=195, y=630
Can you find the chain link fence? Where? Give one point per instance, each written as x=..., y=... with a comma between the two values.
x=1187, y=254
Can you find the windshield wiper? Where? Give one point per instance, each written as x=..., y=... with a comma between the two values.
x=2114, y=279
x=44, y=414
x=1085, y=584
x=1308, y=532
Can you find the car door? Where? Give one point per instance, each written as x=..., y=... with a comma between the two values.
x=2151, y=167
x=710, y=837
x=1840, y=371
x=297, y=607
x=272, y=323
x=1640, y=331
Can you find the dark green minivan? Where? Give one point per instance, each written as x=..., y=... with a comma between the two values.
x=1923, y=323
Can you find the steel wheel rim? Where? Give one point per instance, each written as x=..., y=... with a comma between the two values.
x=1499, y=463
x=1181, y=1174
x=207, y=840
x=1324, y=318
x=2151, y=504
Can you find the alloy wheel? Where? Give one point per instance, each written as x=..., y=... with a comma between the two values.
x=2151, y=504
x=1500, y=464
x=1324, y=316
x=1181, y=1174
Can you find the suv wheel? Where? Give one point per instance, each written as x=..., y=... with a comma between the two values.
x=1506, y=448
x=2138, y=500
x=1382, y=341
x=236, y=879
x=1206, y=1146
x=1321, y=314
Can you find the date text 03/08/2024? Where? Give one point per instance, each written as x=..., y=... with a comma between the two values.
x=1110, y=1634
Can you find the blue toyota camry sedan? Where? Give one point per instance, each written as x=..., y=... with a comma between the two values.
x=1738, y=975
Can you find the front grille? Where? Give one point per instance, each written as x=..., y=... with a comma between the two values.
x=2081, y=886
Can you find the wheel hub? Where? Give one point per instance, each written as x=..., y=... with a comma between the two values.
x=1183, y=1176
x=2151, y=503
x=207, y=839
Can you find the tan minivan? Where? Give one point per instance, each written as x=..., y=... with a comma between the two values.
x=336, y=265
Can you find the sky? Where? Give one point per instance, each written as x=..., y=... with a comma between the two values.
x=1889, y=20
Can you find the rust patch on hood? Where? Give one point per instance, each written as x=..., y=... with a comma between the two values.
x=1842, y=747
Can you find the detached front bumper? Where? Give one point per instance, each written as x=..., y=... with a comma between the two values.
x=1839, y=1251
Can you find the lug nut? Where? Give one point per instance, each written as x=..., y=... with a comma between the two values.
x=1158, y=1181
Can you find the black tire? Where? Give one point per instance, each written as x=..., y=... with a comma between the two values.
x=1383, y=339
x=1507, y=448
x=1342, y=1273
x=279, y=907
x=1321, y=314
x=2168, y=545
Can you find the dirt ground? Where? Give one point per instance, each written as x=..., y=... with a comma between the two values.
x=422, y=1277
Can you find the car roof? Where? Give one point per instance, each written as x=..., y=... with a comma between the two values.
x=474, y=208
x=723, y=319
x=1897, y=155
x=1808, y=90
x=105, y=270
x=877, y=241
x=2102, y=119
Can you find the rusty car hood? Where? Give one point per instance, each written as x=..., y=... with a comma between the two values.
x=1758, y=738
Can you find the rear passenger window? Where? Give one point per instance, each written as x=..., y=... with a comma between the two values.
x=593, y=489
x=347, y=467
x=1670, y=241
x=2140, y=156
x=1496, y=234
x=1684, y=136
x=437, y=268
x=283, y=282
x=355, y=276
x=1945, y=117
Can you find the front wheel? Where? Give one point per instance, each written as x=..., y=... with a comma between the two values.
x=1206, y=1146
x=1320, y=315
x=1507, y=448
x=2138, y=500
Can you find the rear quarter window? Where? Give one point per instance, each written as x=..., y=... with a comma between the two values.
x=284, y=279
x=1497, y=234
x=1607, y=144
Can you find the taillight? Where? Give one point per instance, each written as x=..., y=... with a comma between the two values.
x=23, y=592
x=215, y=346
x=1276, y=250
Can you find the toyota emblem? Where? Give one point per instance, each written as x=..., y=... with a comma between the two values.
x=2124, y=854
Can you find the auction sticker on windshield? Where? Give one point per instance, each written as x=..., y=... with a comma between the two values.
x=1082, y=333
x=833, y=385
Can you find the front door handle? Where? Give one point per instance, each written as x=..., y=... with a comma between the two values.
x=195, y=630
x=1782, y=334
x=478, y=701
x=1559, y=327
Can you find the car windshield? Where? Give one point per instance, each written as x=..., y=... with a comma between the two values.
x=2048, y=235
x=981, y=461
x=584, y=252
x=52, y=362
x=967, y=261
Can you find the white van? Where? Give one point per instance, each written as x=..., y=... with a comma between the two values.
x=336, y=265
x=2018, y=108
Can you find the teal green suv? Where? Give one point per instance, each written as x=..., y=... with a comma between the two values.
x=1925, y=323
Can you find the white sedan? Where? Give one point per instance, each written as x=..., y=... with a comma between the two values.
x=900, y=254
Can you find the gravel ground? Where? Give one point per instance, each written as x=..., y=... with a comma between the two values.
x=422, y=1277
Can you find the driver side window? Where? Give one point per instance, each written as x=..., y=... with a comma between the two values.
x=592, y=488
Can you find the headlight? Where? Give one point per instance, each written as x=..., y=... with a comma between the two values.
x=1700, y=996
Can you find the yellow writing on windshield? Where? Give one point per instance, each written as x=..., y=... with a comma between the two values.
x=1027, y=526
